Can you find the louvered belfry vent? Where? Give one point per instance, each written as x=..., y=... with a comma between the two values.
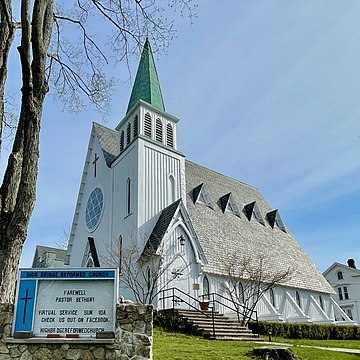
x=159, y=130
x=169, y=136
x=136, y=126
x=147, y=125
x=128, y=134
x=122, y=140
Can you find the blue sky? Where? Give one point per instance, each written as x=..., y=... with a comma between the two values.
x=267, y=92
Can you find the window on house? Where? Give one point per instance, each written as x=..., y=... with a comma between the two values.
x=206, y=286
x=147, y=125
x=122, y=140
x=349, y=313
x=136, y=126
x=340, y=293
x=128, y=196
x=346, y=294
x=128, y=134
x=169, y=135
x=298, y=299
x=159, y=131
x=340, y=275
x=321, y=302
x=272, y=297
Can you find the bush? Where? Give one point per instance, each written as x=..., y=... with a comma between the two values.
x=307, y=331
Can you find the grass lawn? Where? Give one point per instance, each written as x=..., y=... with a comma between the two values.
x=174, y=346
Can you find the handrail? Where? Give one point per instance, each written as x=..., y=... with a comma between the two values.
x=214, y=301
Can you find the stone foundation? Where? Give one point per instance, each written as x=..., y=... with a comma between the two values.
x=133, y=339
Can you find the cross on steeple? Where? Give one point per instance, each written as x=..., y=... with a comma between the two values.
x=94, y=162
x=26, y=299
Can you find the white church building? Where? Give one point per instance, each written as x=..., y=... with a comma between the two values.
x=138, y=188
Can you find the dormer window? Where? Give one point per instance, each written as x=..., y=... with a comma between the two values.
x=159, y=130
x=275, y=221
x=228, y=204
x=147, y=125
x=252, y=212
x=340, y=275
x=201, y=195
x=169, y=135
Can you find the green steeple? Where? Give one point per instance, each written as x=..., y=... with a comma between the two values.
x=146, y=86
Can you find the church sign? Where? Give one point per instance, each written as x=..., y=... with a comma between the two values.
x=66, y=302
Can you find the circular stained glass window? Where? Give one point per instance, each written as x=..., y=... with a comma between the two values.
x=94, y=208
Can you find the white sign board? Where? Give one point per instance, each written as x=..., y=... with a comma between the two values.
x=66, y=302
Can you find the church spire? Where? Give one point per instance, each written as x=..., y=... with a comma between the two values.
x=146, y=86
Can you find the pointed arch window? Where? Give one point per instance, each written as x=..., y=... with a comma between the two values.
x=241, y=295
x=128, y=134
x=147, y=125
x=321, y=302
x=172, y=189
x=136, y=127
x=159, y=130
x=90, y=262
x=206, y=286
x=272, y=297
x=122, y=140
x=128, y=196
x=169, y=135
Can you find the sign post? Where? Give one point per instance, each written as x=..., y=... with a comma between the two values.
x=66, y=303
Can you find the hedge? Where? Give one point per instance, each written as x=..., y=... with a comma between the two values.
x=307, y=331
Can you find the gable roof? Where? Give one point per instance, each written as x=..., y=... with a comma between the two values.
x=221, y=235
x=343, y=267
x=109, y=143
x=146, y=86
x=40, y=251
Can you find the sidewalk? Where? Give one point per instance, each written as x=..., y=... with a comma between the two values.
x=344, y=350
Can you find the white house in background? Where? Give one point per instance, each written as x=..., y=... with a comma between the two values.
x=345, y=280
x=48, y=257
x=137, y=187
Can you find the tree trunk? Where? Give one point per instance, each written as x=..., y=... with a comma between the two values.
x=18, y=191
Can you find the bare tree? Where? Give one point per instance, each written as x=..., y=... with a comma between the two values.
x=248, y=279
x=59, y=50
x=144, y=272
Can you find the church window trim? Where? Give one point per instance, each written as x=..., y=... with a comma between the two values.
x=252, y=212
x=159, y=130
x=201, y=195
x=241, y=293
x=94, y=209
x=321, y=302
x=122, y=140
x=272, y=297
x=147, y=125
x=340, y=275
x=169, y=135
x=136, y=126
x=128, y=134
x=274, y=220
x=128, y=197
x=172, y=188
x=228, y=204
x=206, y=287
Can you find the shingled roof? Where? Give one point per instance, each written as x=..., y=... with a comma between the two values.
x=222, y=234
x=108, y=139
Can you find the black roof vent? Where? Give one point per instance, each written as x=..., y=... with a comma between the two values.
x=351, y=263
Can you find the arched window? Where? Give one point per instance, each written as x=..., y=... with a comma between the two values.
x=128, y=134
x=340, y=275
x=172, y=189
x=122, y=140
x=147, y=125
x=206, y=286
x=128, y=196
x=321, y=302
x=272, y=297
x=136, y=127
x=298, y=300
x=159, y=130
x=169, y=135
x=90, y=262
x=241, y=295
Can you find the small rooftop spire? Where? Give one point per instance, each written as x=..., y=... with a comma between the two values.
x=146, y=86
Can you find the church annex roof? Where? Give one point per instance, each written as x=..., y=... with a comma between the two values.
x=108, y=139
x=222, y=234
x=146, y=86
